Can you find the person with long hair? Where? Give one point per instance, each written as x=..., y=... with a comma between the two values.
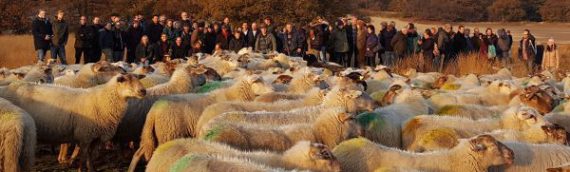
x=551, y=57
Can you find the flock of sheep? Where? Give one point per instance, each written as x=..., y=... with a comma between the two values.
x=268, y=112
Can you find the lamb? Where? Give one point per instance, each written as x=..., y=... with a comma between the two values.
x=88, y=122
x=90, y=75
x=329, y=129
x=352, y=100
x=517, y=118
x=304, y=155
x=535, y=157
x=18, y=139
x=176, y=116
x=384, y=124
x=475, y=154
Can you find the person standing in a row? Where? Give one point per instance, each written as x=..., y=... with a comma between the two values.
x=60, y=36
x=84, y=42
x=41, y=29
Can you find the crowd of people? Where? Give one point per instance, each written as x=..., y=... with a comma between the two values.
x=348, y=41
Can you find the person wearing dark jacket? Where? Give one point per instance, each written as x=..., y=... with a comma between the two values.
x=106, y=41
x=209, y=40
x=459, y=41
x=400, y=43
x=41, y=30
x=237, y=42
x=161, y=49
x=178, y=50
x=338, y=42
x=134, y=36
x=489, y=43
x=504, y=44
x=144, y=52
x=427, y=45
x=198, y=36
x=252, y=35
x=315, y=43
x=290, y=41
x=84, y=39
x=119, y=43
x=224, y=38
x=60, y=35
x=444, y=46
x=372, y=45
x=386, y=36
x=97, y=26
x=154, y=29
x=186, y=35
x=528, y=51
x=265, y=42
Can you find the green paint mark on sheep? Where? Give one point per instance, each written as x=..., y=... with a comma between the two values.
x=5, y=117
x=165, y=147
x=183, y=163
x=160, y=104
x=560, y=107
x=213, y=133
x=211, y=86
x=450, y=110
x=351, y=145
x=448, y=86
x=371, y=120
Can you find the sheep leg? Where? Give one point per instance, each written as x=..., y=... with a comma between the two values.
x=62, y=158
x=85, y=158
x=74, y=155
x=136, y=158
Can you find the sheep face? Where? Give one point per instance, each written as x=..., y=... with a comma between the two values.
x=104, y=71
x=320, y=158
x=556, y=134
x=283, y=79
x=347, y=128
x=488, y=151
x=390, y=96
x=541, y=100
x=258, y=86
x=197, y=75
x=129, y=86
x=358, y=101
x=522, y=118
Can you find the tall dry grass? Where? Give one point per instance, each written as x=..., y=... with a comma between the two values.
x=18, y=50
x=474, y=64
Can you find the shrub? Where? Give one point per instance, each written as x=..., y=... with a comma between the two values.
x=507, y=10
x=556, y=10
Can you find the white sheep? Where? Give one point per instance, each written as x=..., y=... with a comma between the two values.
x=90, y=75
x=471, y=111
x=214, y=163
x=329, y=129
x=304, y=155
x=92, y=120
x=351, y=100
x=18, y=139
x=517, y=118
x=176, y=116
x=476, y=154
x=535, y=157
x=385, y=123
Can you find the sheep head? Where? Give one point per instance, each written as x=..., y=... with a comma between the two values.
x=128, y=85
x=556, y=134
x=439, y=82
x=258, y=86
x=538, y=98
x=491, y=152
x=391, y=94
x=283, y=79
x=357, y=101
x=323, y=158
x=521, y=118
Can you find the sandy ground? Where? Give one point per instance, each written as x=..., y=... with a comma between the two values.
x=542, y=31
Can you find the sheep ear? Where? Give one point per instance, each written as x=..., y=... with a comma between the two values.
x=557, y=169
x=140, y=76
x=121, y=79
x=96, y=67
x=19, y=75
x=354, y=94
x=320, y=151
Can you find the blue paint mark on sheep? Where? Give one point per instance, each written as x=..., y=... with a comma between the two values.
x=371, y=120
x=183, y=163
